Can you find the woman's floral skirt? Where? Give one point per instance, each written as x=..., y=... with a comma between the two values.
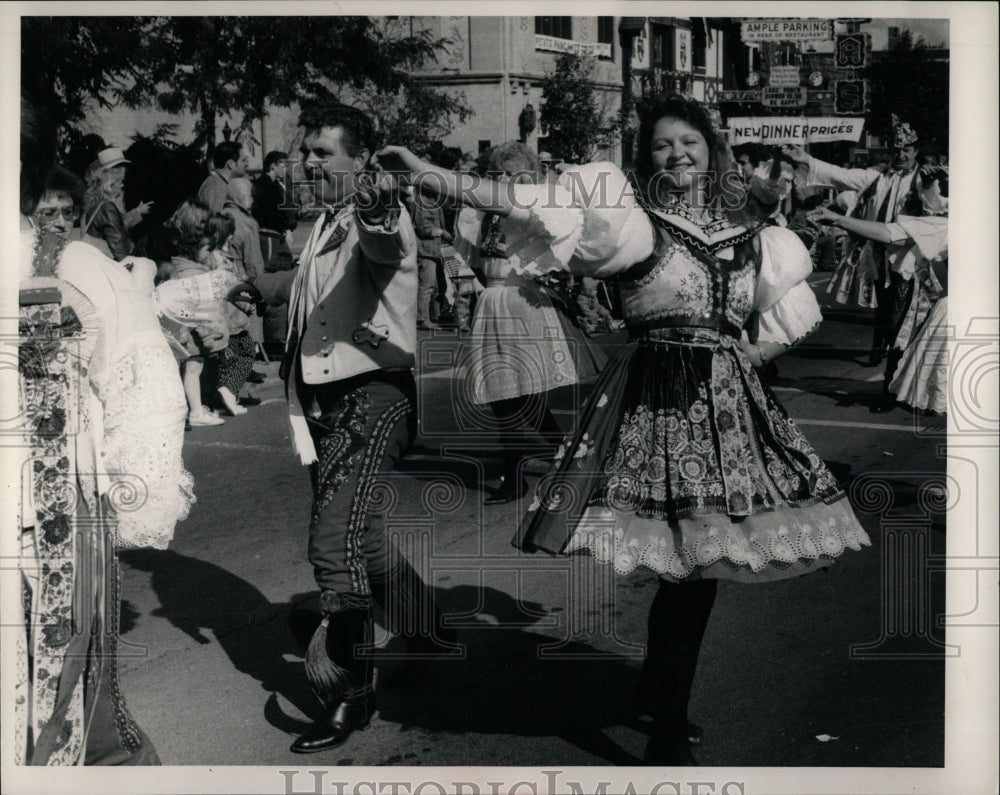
x=683, y=462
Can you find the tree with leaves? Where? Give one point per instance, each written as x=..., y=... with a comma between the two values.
x=579, y=119
x=912, y=83
x=222, y=66
x=67, y=63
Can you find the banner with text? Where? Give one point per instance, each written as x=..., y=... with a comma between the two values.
x=789, y=130
x=755, y=30
x=591, y=48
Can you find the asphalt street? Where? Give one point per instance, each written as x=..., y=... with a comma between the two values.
x=841, y=668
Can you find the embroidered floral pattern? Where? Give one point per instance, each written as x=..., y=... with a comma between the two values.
x=50, y=374
x=340, y=448
x=741, y=289
x=658, y=455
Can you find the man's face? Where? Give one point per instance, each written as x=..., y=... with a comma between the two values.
x=745, y=165
x=56, y=213
x=904, y=157
x=278, y=170
x=238, y=167
x=324, y=152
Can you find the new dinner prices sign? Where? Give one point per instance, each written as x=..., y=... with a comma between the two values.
x=755, y=30
x=788, y=130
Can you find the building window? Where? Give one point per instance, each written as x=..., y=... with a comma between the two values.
x=560, y=27
x=606, y=34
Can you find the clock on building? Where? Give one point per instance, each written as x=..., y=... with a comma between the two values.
x=816, y=79
x=753, y=79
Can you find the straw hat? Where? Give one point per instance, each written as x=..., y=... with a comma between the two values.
x=112, y=157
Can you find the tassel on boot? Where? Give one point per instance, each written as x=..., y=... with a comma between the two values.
x=340, y=672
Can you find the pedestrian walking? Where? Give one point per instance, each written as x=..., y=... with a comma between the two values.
x=192, y=298
x=429, y=225
x=230, y=161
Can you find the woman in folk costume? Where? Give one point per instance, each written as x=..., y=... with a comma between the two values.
x=683, y=462
x=921, y=377
x=520, y=346
x=103, y=413
x=872, y=273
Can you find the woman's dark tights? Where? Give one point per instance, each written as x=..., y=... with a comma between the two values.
x=677, y=621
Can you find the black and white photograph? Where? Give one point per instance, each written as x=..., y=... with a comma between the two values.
x=498, y=404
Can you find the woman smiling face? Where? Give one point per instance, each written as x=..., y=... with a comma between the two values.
x=678, y=150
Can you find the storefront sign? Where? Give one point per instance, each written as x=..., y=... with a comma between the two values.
x=553, y=44
x=778, y=130
x=783, y=76
x=783, y=97
x=753, y=30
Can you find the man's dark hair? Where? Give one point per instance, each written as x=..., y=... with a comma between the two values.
x=63, y=181
x=755, y=152
x=358, y=131
x=226, y=151
x=273, y=157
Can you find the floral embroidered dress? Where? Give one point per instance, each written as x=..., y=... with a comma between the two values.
x=683, y=462
x=520, y=344
x=921, y=377
x=103, y=422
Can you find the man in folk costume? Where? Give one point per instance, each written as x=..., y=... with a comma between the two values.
x=351, y=394
x=872, y=273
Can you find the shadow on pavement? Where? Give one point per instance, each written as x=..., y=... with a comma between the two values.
x=500, y=684
x=207, y=602
x=504, y=685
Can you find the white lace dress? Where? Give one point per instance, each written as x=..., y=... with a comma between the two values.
x=135, y=380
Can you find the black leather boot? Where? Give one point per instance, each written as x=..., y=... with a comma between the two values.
x=411, y=614
x=340, y=671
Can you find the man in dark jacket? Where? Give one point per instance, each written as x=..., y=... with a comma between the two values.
x=274, y=212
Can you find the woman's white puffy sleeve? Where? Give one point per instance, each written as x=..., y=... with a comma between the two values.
x=542, y=237
x=784, y=300
x=616, y=231
x=929, y=232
